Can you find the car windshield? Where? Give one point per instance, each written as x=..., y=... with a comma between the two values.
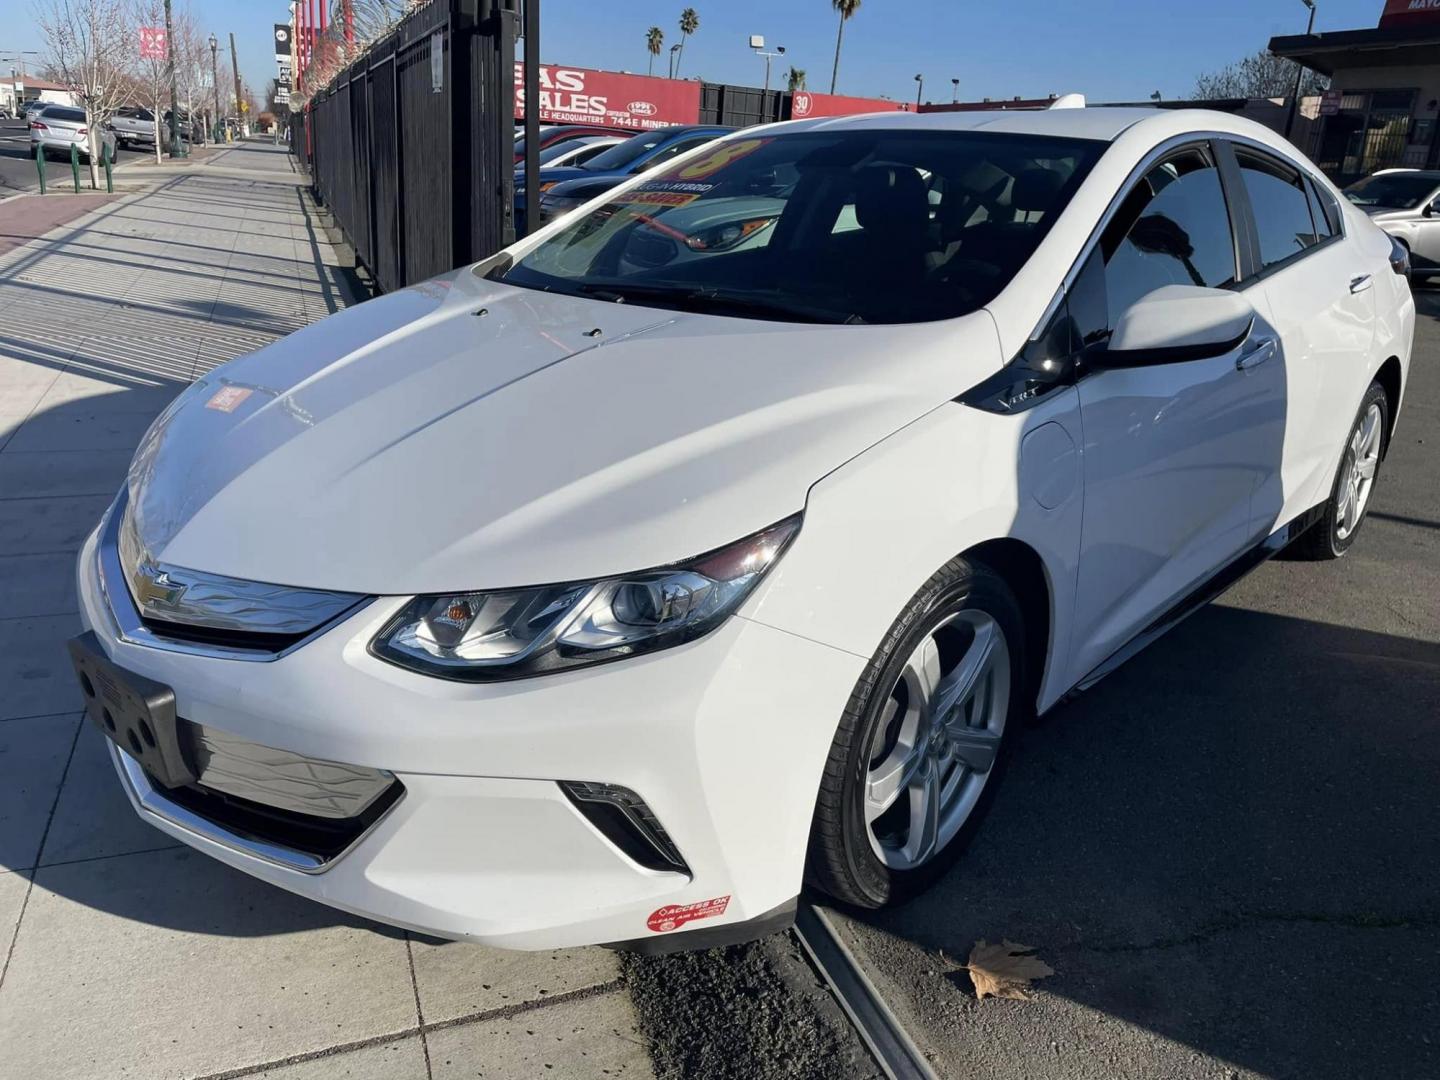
x=1403, y=191
x=622, y=154
x=59, y=112
x=858, y=226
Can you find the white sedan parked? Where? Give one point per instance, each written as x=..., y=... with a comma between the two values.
x=595, y=594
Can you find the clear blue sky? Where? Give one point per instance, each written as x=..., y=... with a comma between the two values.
x=1106, y=49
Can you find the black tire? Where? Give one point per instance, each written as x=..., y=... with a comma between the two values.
x=1323, y=541
x=841, y=861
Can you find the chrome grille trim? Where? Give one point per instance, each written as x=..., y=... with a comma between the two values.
x=282, y=779
x=129, y=625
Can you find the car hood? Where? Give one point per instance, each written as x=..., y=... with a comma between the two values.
x=464, y=434
x=1381, y=214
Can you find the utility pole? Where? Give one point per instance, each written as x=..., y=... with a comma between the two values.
x=176, y=150
x=1299, y=73
x=235, y=64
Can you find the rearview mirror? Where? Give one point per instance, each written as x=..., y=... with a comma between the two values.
x=1177, y=323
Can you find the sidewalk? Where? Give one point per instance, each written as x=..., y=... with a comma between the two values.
x=121, y=954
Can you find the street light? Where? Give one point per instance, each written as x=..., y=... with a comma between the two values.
x=674, y=55
x=757, y=42
x=1299, y=72
x=955, y=95
x=215, y=80
x=919, y=89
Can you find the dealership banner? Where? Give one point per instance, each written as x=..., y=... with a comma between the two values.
x=804, y=105
x=1410, y=12
x=570, y=95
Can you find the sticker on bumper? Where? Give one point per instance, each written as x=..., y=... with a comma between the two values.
x=673, y=916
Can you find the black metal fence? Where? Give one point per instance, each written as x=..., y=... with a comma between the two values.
x=410, y=147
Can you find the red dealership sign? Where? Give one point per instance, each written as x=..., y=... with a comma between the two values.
x=804, y=105
x=1409, y=13
x=570, y=95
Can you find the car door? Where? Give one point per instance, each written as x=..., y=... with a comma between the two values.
x=1424, y=230
x=1173, y=451
x=1322, y=303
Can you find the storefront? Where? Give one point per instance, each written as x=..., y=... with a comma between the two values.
x=1384, y=98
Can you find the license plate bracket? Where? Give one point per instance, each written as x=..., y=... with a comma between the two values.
x=137, y=714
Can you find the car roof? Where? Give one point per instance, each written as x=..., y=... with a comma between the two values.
x=1083, y=123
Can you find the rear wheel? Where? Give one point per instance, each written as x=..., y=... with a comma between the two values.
x=923, y=741
x=1332, y=536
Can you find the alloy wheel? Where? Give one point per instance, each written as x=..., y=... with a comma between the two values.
x=1362, y=458
x=937, y=739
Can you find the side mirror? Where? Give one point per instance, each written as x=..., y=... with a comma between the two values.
x=1431, y=208
x=1174, y=324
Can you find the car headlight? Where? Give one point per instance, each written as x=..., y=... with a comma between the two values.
x=518, y=633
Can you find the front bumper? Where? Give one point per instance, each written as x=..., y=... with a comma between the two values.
x=724, y=738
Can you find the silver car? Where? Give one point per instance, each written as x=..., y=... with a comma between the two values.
x=59, y=127
x=1406, y=204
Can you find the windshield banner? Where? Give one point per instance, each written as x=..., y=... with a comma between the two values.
x=570, y=95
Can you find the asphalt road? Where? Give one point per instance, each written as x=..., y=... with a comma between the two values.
x=17, y=162
x=1229, y=850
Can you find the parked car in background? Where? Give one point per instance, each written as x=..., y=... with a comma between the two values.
x=574, y=151
x=967, y=410
x=637, y=154
x=560, y=133
x=33, y=109
x=56, y=128
x=133, y=126
x=1406, y=204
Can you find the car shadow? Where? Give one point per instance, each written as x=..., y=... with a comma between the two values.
x=1233, y=842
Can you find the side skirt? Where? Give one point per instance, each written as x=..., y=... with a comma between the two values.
x=1203, y=593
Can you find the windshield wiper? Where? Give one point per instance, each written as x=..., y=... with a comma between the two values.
x=717, y=301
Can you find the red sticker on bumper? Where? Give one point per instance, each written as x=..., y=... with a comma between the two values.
x=673, y=916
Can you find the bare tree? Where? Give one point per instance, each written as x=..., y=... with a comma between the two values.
x=91, y=45
x=192, y=64
x=153, y=72
x=1263, y=75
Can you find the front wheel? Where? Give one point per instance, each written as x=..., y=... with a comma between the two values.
x=1332, y=536
x=923, y=741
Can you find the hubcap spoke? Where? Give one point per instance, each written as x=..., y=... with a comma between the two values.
x=890, y=778
x=1366, y=468
x=974, y=747
x=924, y=814
x=961, y=683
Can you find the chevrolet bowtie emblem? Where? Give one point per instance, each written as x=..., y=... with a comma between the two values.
x=155, y=587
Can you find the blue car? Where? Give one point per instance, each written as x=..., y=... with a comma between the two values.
x=636, y=154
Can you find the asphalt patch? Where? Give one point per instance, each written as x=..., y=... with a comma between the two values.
x=748, y=1012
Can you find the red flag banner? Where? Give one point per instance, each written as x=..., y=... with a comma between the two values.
x=570, y=95
x=152, y=43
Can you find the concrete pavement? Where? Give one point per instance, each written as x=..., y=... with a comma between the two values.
x=121, y=954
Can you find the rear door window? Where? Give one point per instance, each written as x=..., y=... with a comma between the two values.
x=1281, y=207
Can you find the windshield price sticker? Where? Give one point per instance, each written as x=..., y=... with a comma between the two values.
x=721, y=156
x=675, y=185
x=656, y=198
x=228, y=398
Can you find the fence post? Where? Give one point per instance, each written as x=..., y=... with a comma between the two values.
x=464, y=19
x=40, y=164
x=75, y=165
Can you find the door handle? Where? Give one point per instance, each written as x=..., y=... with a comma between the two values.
x=1360, y=284
x=1261, y=351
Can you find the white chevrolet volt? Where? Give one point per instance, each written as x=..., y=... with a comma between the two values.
x=721, y=537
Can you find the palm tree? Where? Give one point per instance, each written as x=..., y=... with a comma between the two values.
x=689, y=23
x=654, y=42
x=846, y=8
x=795, y=80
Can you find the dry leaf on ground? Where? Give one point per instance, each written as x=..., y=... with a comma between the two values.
x=1004, y=970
